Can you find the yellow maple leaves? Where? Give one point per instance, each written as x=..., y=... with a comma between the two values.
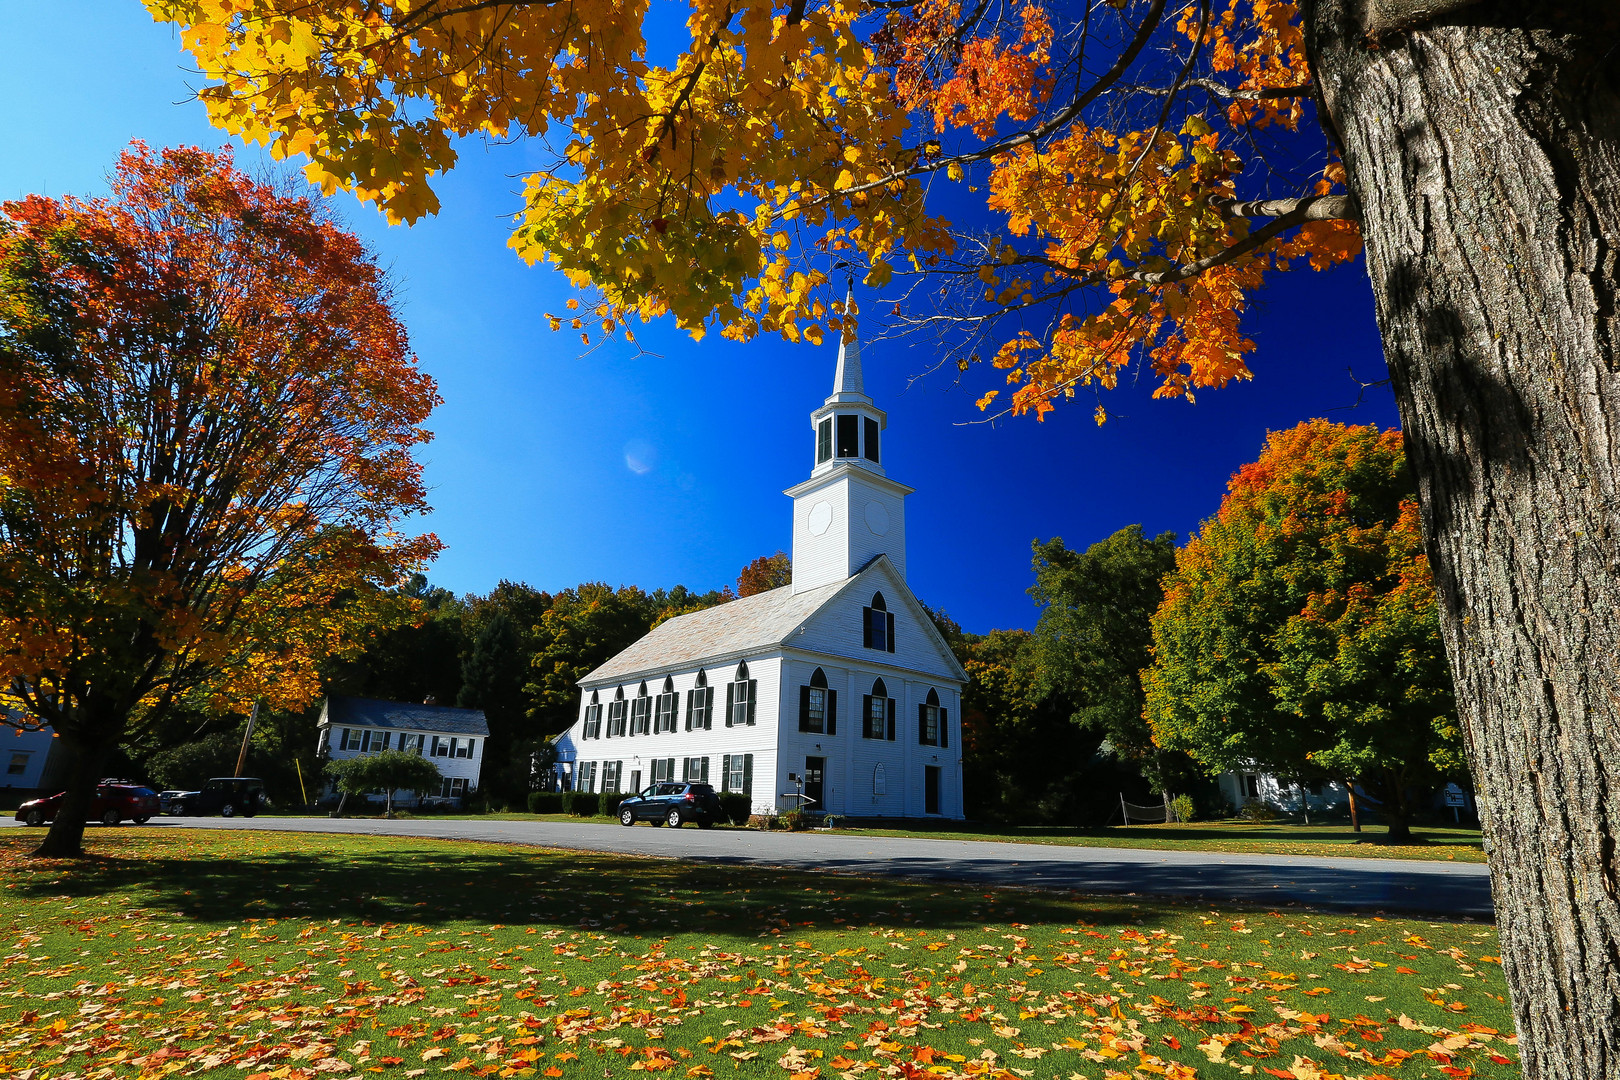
x=782, y=143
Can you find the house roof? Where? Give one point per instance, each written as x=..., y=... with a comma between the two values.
x=754, y=622
x=341, y=711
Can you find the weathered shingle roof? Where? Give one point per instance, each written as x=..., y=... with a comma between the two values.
x=753, y=622
x=343, y=711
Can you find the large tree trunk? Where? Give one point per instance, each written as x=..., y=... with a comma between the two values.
x=65, y=839
x=1486, y=155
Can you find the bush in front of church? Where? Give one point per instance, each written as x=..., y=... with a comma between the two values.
x=736, y=806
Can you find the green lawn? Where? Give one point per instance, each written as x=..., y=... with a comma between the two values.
x=270, y=956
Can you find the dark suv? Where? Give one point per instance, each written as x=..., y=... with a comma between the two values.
x=226, y=796
x=114, y=801
x=672, y=804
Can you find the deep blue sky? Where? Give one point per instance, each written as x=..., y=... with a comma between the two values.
x=553, y=467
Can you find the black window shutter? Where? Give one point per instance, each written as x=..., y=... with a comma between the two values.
x=804, y=708
x=725, y=773
x=753, y=694
x=890, y=637
x=731, y=692
x=891, y=719
x=943, y=727
x=866, y=627
x=922, y=723
x=748, y=774
x=691, y=699
x=866, y=716
x=708, y=706
x=832, y=712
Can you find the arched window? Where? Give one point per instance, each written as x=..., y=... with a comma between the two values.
x=877, y=625
x=700, y=703
x=740, y=694
x=818, y=706
x=931, y=721
x=616, y=714
x=877, y=713
x=593, y=717
x=641, y=712
x=665, y=707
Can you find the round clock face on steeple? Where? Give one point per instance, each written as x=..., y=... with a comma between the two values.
x=820, y=518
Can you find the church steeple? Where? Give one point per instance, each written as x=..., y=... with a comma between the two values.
x=848, y=511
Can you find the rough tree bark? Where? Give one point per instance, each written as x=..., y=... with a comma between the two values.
x=65, y=838
x=1485, y=149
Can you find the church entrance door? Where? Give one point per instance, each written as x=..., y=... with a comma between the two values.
x=813, y=786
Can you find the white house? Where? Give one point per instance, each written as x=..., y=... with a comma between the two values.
x=28, y=760
x=453, y=739
x=835, y=691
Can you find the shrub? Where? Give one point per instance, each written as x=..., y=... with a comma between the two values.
x=736, y=806
x=1256, y=810
x=581, y=803
x=608, y=803
x=1185, y=808
x=795, y=821
x=764, y=821
x=545, y=802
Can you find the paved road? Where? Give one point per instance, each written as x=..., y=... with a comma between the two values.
x=1367, y=885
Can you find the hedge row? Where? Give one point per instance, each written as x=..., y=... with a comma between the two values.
x=577, y=803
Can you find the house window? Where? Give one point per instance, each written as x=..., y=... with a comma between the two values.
x=664, y=707
x=593, y=718
x=695, y=769
x=409, y=742
x=849, y=436
x=877, y=711
x=349, y=741
x=824, y=441
x=700, y=704
x=641, y=713
x=931, y=721
x=871, y=440
x=1251, y=786
x=587, y=776
x=612, y=773
x=737, y=773
x=616, y=713
x=663, y=770
x=877, y=625
x=18, y=766
x=465, y=750
x=740, y=694
x=818, y=706
x=452, y=787
x=440, y=747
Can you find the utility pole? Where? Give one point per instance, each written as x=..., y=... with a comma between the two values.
x=241, y=759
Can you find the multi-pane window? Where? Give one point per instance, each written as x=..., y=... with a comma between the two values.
x=740, y=694
x=824, y=441
x=931, y=722
x=464, y=750
x=665, y=707
x=612, y=774
x=452, y=787
x=409, y=742
x=877, y=712
x=737, y=773
x=593, y=719
x=439, y=747
x=586, y=777
x=818, y=706
x=366, y=741
x=616, y=713
x=18, y=766
x=695, y=769
x=700, y=704
x=641, y=713
x=877, y=625
x=663, y=770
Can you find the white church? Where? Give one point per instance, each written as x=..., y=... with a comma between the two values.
x=835, y=692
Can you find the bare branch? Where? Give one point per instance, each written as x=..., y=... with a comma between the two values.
x=1310, y=208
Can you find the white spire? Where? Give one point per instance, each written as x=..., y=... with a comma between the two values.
x=847, y=382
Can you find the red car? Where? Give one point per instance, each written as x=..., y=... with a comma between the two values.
x=115, y=800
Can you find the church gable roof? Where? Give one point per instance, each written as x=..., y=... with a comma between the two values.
x=835, y=627
x=741, y=626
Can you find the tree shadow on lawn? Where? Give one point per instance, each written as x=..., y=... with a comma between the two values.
x=386, y=880
x=1278, y=833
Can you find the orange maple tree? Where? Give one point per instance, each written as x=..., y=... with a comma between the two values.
x=207, y=410
x=1118, y=150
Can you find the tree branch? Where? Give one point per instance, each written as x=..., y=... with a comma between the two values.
x=1310, y=208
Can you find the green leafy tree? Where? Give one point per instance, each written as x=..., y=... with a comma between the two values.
x=1095, y=636
x=1298, y=630
x=413, y=662
x=388, y=772
x=493, y=679
x=583, y=628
